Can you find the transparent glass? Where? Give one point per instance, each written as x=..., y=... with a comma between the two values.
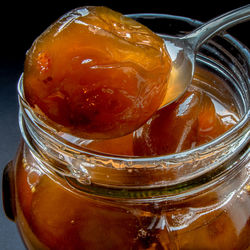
x=64, y=196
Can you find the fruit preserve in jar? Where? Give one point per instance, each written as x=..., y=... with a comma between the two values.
x=180, y=181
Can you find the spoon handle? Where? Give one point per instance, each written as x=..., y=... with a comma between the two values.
x=225, y=21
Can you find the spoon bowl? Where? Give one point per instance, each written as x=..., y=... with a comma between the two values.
x=182, y=50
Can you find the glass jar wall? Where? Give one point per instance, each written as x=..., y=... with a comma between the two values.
x=65, y=196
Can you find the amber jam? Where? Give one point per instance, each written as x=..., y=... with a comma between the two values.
x=95, y=73
x=180, y=181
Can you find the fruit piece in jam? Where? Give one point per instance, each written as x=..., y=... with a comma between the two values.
x=96, y=73
x=80, y=223
x=189, y=122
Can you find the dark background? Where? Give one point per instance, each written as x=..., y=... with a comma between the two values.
x=22, y=22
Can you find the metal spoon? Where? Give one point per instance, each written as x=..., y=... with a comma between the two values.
x=183, y=50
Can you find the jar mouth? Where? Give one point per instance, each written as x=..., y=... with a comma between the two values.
x=219, y=140
x=82, y=163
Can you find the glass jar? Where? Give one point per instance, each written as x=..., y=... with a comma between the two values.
x=64, y=196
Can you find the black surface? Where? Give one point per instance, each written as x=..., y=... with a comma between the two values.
x=22, y=22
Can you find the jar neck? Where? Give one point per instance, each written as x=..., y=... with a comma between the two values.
x=108, y=175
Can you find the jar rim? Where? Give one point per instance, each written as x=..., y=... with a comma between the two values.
x=225, y=145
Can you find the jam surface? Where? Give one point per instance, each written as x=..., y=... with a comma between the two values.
x=190, y=122
x=96, y=73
